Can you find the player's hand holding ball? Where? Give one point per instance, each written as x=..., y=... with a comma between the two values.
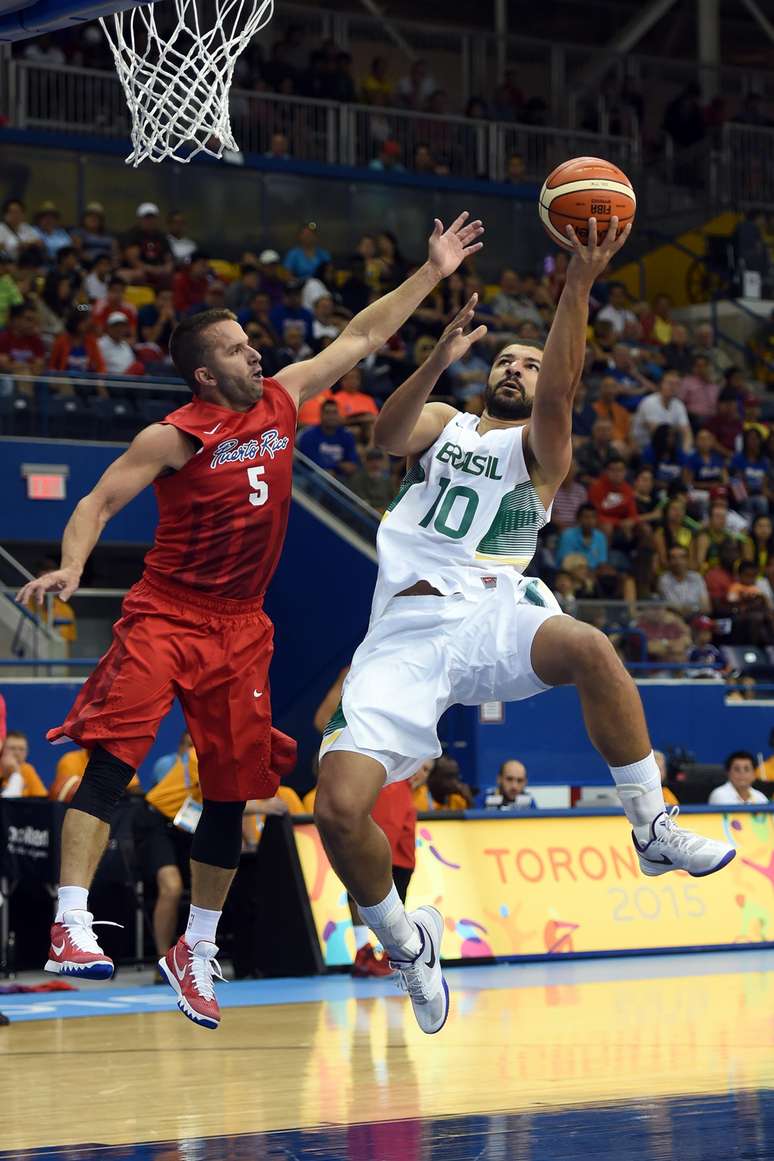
x=587, y=205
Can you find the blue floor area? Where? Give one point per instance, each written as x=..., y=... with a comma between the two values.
x=740, y=1125
x=113, y=999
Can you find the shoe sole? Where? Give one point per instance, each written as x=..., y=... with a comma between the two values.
x=182, y=1003
x=728, y=857
x=102, y=970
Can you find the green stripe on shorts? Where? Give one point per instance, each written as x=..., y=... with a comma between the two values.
x=337, y=722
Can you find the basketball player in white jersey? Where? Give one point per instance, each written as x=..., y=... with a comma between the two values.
x=455, y=621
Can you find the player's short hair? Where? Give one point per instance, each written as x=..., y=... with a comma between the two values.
x=538, y=345
x=743, y=754
x=17, y=734
x=189, y=345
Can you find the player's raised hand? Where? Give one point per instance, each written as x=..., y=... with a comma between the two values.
x=590, y=261
x=63, y=582
x=447, y=249
x=455, y=340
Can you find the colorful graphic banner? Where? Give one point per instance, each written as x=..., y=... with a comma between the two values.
x=547, y=886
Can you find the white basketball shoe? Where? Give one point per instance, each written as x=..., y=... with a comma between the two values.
x=421, y=977
x=671, y=849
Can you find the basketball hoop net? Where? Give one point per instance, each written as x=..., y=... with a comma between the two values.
x=177, y=83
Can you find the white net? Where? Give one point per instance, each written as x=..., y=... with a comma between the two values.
x=177, y=76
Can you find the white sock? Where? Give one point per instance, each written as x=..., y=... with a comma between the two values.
x=392, y=927
x=71, y=899
x=639, y=789
x=202, y=925
x=362, y=935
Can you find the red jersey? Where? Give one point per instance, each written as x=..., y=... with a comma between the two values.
x=223, y=516
x=394, y=811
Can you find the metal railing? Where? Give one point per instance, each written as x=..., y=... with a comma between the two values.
x=747, y=167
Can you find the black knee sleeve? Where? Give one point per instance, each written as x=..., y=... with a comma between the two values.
x=217, y=839
x=104, y=781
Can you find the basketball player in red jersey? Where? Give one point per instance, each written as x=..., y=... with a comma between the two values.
x=194, y=626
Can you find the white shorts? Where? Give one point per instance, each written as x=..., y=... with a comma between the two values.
x=427, y=653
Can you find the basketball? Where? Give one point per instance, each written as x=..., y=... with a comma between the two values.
x=583, y=188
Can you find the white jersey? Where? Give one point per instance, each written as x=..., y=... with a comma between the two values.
x=466, y=510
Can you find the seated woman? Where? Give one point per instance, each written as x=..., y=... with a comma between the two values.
x=665, y=455
x=675, y=529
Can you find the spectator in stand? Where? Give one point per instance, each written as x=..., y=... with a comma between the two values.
x=511, y=306
x=156, y=321
x=15, y=752
x=569, y=498
x=377, y=83
x=607, y=408
x=117, y=351
x=752, y=253
x=725, y=424
x=214, y=298
x=388, y=158
x=351, y=400
x=584, y=538
x=392, y=266
x=291, y=310
x=10, y=295
x=50, y=231
x=593, y=455
x=372, y=482
x=704, y=343
x=242, y=290
x=271, y=276
x=191, y=283
x=666, y=457
x=758, y=547
x=91, y=238
x=679, y=352
x=699, y=391
x=325, y=325
x=16, y=234
x=515, y=169
x=329, y=444
x=470, y=374
x=667, y=635
x=752, y=615
x=113, y=302
x=21, y=348
x=304, y=258
x=96, y=281
x=131, y=267
x=447, y=789
x=259, y=311
x=669, y=796
x=183, y=248
x=279, y=148
x=423, y=160
x=164, y=764
x=674, y=530
x=633, y=385
x=322, y=282
x=294, y=347
x=76, y=349
x=645, y=497
x=713, y=536
x=721, y=575
x=662, y=407
x=750, y=471
x=704, y=653
x=738, y=789
x=706, y=465
x=511, y=792
x=657, y=324
x=681, y=587
x=414, y=90
x=613, y=498
x=564, y=591
x=616, y=311
x=155, y=252
x=584, y=417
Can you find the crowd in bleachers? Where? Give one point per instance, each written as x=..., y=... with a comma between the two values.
x=295, y=65
x=669, y=494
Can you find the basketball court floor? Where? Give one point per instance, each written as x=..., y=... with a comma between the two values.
x=668, y=1057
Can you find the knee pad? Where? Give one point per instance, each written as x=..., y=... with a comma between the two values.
x=104, y=781
x=217, y=839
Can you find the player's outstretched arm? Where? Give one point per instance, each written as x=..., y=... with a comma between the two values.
x=550, y=427
x=371, y=329
x=156, y=448
x=407, y=423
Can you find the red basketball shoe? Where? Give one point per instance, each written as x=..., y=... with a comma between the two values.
x=191, y=971
x=74, y=949
x=367, y=964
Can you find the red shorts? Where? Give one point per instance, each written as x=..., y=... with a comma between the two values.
x=214, y=656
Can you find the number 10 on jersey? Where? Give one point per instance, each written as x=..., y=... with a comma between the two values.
x=261, y=493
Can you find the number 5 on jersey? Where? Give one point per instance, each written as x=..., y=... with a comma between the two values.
x=261, y=494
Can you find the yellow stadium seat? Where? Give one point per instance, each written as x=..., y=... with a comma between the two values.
x=227, y=271
x=140, y=295
x=491, y=291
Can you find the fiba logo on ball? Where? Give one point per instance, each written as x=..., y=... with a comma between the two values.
x=583, y=188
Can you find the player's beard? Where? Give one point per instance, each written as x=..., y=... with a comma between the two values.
x=508, y=405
